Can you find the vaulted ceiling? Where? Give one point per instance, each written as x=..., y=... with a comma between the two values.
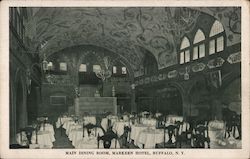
x=125, y=31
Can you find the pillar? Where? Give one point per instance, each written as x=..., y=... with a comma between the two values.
x=77, y=106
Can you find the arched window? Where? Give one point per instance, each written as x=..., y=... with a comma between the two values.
x=83, y=68
x=185, y=51
x=96, y=68
x=124, y=70
x=199, y=45
x=63, y=66
x=114, y=70
x=216, y=42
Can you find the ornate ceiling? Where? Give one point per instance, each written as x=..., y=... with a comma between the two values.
x=125, y=31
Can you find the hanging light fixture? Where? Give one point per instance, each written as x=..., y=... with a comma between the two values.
x=45, y=64
x=104, y=72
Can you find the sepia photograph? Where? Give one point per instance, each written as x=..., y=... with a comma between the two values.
x=125, y=80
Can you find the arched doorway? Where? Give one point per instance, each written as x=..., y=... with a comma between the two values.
x=201, y=99
x=231, y=96
x=166, y=99
x=169, y=101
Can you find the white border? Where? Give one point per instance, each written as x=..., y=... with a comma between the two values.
x=60, y=153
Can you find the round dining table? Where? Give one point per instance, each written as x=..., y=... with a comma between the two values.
x=150, y=137
x=61, y=120
x=44, y=139
x=136, y=129
x=118, y=127
x=47, y=127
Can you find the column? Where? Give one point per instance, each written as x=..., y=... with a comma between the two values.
x=77, y=106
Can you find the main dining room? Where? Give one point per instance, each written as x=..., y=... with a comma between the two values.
x=125, y=78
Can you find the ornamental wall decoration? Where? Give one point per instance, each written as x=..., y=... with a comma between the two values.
x=214, y=63
x=172, y=74
x=198, y=67
x=234, y=58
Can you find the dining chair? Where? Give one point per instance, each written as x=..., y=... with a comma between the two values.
x=28, y=131
x=200, y=137
x=126, y=136
x=233, y=123
x=90, y=127
x=172, y=132
x=185, y=132
x=107, y=139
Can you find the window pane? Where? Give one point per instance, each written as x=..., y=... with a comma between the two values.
x=96, y=68
x=211, y=47
x=202, y=50
x=195, y=53
x=83, y=68
x=199, y=36
x=114, y=69
x=220, y=44
x=124, y=70
x=216, y=28
x=187, y=56
x=181, y=57
x=50, y=66
x=63, y=66
x=185, y=43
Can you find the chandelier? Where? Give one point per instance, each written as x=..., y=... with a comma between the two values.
x=46, y=68
x=104, y=72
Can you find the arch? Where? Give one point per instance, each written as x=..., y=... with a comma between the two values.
x=150, y=64
x=199, y=36
x=216, y=28
x=200, y=98
x=228, y=78
x=170, y=99
x=184, y=43
x=88, y=49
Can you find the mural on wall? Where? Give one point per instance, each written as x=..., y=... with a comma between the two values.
x=121, y=30
x=230, y=17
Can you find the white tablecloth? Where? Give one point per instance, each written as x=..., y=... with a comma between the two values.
x=47, y=127
x=135, y=131
x=73, y=126
x=104, y=122
x=150, y=122
x=173, y=118
x=24, y=140
x=91, y=143
x=151, y=137
x=78, y=141
x=45, y=139
x=118, y=127
x=89, y=119
x=67, y=126
x=62, y=120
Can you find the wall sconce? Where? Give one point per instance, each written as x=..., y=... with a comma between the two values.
x=186, y=74
x=46, y=66
x=133, y=86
